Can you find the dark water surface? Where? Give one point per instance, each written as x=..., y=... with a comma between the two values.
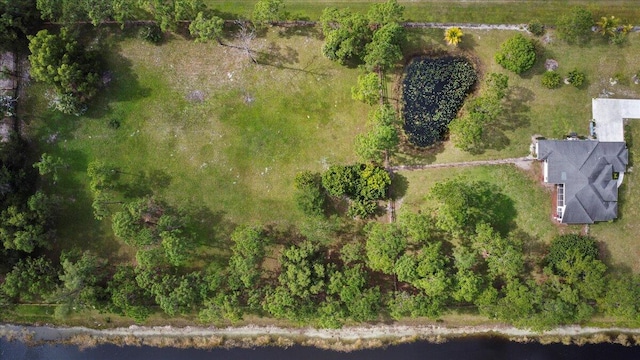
x=476, y=349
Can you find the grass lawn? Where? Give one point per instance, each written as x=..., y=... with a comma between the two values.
x=531, y=108
x=531, y=201
x=484, y=11
x=620, y=237
x=232, y=156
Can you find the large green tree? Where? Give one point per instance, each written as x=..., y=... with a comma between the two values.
x=575, y=26
x=385, y=50
x=517, y=54
x=205, y=28
x=17, y=18
x=268, y=12
x=346, y=35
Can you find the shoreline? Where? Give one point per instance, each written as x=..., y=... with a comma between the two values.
x=344, y=339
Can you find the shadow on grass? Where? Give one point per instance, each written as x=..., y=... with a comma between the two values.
x=399, y=186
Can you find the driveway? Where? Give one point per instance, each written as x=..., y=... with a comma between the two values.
x=609, y=115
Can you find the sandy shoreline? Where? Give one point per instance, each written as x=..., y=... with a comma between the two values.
x=345, y=339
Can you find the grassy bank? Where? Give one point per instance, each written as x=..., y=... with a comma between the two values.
x=488, y=12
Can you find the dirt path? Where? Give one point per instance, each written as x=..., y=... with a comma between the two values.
x=461, y=164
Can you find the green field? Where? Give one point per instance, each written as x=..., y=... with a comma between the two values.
x=475, y=11
x=231, y=157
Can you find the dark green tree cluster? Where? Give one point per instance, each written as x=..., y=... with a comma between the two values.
x=376, y=40
x=517, y=54
x=74, y=72
x=17, y=19
x=309, y=194
x=467, y=131
x=69, y=12
x=267, y=12
x=363, y=184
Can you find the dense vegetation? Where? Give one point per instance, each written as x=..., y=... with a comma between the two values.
x=337, y=265
x=433, y=91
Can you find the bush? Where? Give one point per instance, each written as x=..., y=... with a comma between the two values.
x=536, y=28
x=551, y=80
x=576, y=78
x=151, y=33
x=563, y=245
x=433, y=91
x=575, y=27
x=517, y=54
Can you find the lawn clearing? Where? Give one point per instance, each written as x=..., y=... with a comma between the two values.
x=232, y=156
x=531, y=201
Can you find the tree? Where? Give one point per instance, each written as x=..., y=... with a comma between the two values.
x=60, y=61
x=350, y=286
x=81, y=276
x=309, y=196
x=268, y=12
x=179, y=294
x=374, y=182
x=463, y=205
x=205, y=28
x=453, y=35
x=466, y=131
x=340, y=180
x=381, y=14
x=70, y=12
x=517, y=54
x=383, y=247
x=27, y=227
x=126, y=296
x=31, y=279
x=382, y=138
x=17, y=18
x=346, y=35
x=248, y=253
x=386, y=48
x=168, y=13
x=367, y=89
x=621, y=297
x=49, y=164
x=504, y=255
x=575, y=26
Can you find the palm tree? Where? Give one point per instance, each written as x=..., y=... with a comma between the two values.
x=607, y=26
x=453, y=36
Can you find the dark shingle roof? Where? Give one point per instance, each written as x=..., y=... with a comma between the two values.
x=585, y=167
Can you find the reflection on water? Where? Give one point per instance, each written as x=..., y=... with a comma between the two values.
x=467, y=349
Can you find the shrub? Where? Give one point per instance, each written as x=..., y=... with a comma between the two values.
x=151, y=33
x=517, y=54
x=575, y=27
x=551, y=80
x=563, y=245
x=433, y=91
x=536, y=28
x=576, y=78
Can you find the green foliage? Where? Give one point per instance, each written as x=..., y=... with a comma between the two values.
x=575, y=26
x=382, y=137
x=60, y=61
x=404, y=304
x=205, y=28
x=69, y=12
x=576, y=78
x=350, y=287
x=466, y=131
x=179, y=294
x=303, y=274
x=367, y=89
x=268, y=12
x=17, y=17
x=453, y=35
x=536, y=28
x=362, y=208
x=309, y=195
x=49, y=164
x=551, y=80
x=352, y=252
x=248, y=253
x=385, y=50
x=517, y=54
x=504, y=255
x=384, y=13
x=168, y=13
x=360, y=182
x=31, y=279
x=127, y=297
x=384, y=245
x=418, y=228
x=340, y=180
x=151, y=33
x=346, y=35
x=621, y=297
x=563, y=245
x=27, y=226
x=433, y=91
x=82, y=276
x=465, y=204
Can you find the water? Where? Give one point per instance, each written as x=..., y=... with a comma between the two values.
x=466, y=349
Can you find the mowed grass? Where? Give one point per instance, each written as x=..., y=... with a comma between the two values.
x=231, y=157
x=531, y=201
x=477, y=11
x=530, y=108
x=619, y=238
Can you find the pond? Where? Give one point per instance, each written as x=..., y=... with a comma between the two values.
x=433, y=91
x=488, y=348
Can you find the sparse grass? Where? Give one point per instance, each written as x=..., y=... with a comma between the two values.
x=486, y=11
x=232, y=156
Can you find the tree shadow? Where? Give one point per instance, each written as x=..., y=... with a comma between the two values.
x=304, y=31
x=410, y=154
x=468, y=43
x=399, y=186
x=142, y=183
x=502, y=206
x=277, y=55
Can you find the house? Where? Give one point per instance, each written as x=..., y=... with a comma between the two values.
x=586, y=174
